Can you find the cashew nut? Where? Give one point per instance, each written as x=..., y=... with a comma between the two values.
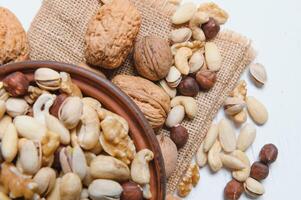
x=189, y=103
x=181, y=60
x=41, y=107
x=139, y=169
x=195, y=23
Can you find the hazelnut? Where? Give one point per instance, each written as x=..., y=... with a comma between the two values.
x=188, y=87
x=54, y=110
x=206, y=79
x=172, y=197
x=179, y=135
x=16, y=84
x=131, y=191
x=233, y=190
x=259, y=171
x=210, y=28
x=268, y=154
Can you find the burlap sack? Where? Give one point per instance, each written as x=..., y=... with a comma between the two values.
x=57, y=33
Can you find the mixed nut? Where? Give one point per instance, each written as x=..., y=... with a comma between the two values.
x=63, y=145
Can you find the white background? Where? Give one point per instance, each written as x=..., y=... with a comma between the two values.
x=275, y=29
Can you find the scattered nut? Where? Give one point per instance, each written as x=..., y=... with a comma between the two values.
x=210, y=28
x=173, y=77
x=210, y=137
x=180, y=35
x=246, y=137
x=201, y=156
x=181, y=60
x=16, y=84
x=196, y=62
x=258, y=73
x=234, y=105
x=227, y=136
x=189, y=180
x=214, y=160
x=104, y=189
x=184, y=13
x=179, y=135
x=131, y=191
x=169, y=153
x=240, y=91
x=16, y=107
x=233, y=190
x=214, y=11
x=259, y=171
x=213, y=56
x=189, y=103
x=206, y=79
x=231, y=162
x=268, y=154
x=243, y=174
x=257, y=110
x=152, y=57
x=188, y=87
x=253, y=188
x=195, y=23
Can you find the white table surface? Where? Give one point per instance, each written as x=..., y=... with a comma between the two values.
x=274, y=27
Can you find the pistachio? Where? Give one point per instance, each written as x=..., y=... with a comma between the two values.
x=175, y=116
x=107, y=167
x=227, y=136
x=9, y=146
x=181, y=35
x=246, y=137
x=16, y=107
x=29, y=128
x=201, y=156
x=196, y=62
x=257, y=110
x=84, y=194
x=171, y=92
x=30, y=156
x=70, y=187
x=233, y=105
x=104, y=189
x=184, y=13
x=70, y=112
x=258, y=73
x=2, y=108
x=47, y=79
x=55, y=192
x=231, y=162
x=214, y=160
x=253, y=188
x=243, y=174
x=210, y=137
x=45, y=178
x=240, y=117
x=213, y=56
x=4, y=122
x=56, y=126
x=173, y=77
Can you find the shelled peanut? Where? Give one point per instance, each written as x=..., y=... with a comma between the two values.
x=58, y=144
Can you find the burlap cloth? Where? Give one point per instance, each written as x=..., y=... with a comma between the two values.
x=57, y=33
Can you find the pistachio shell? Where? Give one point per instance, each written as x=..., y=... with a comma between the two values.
x=172, y=92
x=102, y=189
x=9, y=146
x=70, y=112
x=246, y=137
x=16, y=107
x=213, y=56
x=257, y=110
x=258, y=72
x=47, y=79
x=227, y=136
x=173, y=77
x=196, y=61
x=253, y=188
x=184, y=13
x=79, y=163
x=54, y=125
x=29, y=156
x=45, y=178
x=70, y=187
x=181, y=35
x=175, y=116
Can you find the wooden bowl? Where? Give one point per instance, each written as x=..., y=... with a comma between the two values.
x=113, y=99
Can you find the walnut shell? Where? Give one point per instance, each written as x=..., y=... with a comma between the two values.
x=111, y=33
x=13, y=41
x=150, y=98
x=153, y=57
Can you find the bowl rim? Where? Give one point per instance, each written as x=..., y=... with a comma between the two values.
x=31, y=66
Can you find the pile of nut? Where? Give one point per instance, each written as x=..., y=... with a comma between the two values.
x=58, y=145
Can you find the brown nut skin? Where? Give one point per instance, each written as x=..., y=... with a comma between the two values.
x=131, y=191
x=268, y=154
x=206, y=79
x=233, y=190
x=259, y=171
x=179, y=135
x=54, y=109
x=211, y=29
x=188, y=87
x=16, y=84
x=152, y=57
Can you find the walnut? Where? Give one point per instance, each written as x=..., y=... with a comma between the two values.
x=189, y=180
x=240, y=90
x=153, y=58
x=150, y=98
x=68, y=87
x=33, y=94
x=214, y=11
x=3, y=93
x=111, y=33
x=13, y=41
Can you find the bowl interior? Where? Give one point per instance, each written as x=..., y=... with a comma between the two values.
x=113, y=99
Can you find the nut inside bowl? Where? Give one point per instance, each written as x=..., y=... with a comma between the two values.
x=112, y=99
